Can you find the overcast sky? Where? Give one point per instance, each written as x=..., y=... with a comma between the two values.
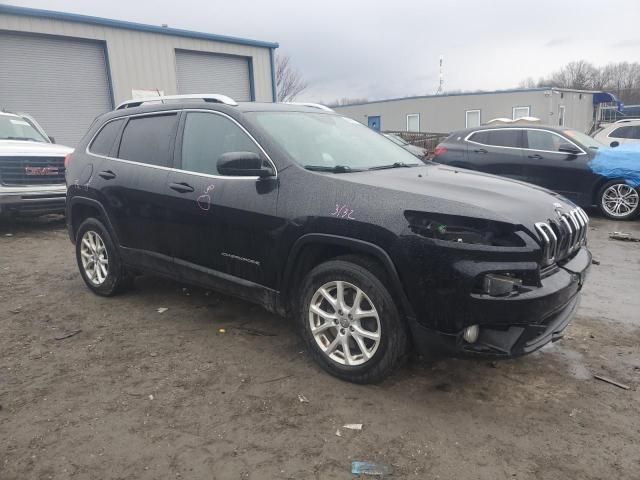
x=356, y=48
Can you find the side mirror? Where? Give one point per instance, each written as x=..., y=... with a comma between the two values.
x=614, y=144
x=243, y=164
x=51, y=139
x=568, y=148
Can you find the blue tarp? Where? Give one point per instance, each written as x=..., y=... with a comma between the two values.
x=620, y=162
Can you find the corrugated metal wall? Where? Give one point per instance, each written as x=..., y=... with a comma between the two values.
x=213, y=73
x=145, y=60
x=61, y=82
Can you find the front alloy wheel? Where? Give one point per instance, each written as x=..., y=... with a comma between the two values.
x=344, y=323
x=619, y=201
x=95, y=260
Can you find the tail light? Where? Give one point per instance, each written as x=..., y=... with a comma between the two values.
x=439, y=151
x=67, y=160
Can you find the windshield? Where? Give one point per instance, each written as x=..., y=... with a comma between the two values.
x=584, y=139
x=18, y=128
x=395, y=139
x=329, y=141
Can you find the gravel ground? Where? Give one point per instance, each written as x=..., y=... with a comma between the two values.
x=148, y=395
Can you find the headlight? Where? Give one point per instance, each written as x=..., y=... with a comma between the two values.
x=458, y=229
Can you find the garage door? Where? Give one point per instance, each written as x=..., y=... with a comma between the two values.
x=209, y=73
x=61, y=82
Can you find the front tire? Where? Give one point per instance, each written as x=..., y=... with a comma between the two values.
x=98, y=259
x=619, y=201
x=350, y=323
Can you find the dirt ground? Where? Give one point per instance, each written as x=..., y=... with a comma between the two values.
x=139, y=394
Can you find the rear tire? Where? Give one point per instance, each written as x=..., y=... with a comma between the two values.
x=99, y=260
x=619, y=201
x=359, y=342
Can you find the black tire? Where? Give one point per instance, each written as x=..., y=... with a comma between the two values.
x=603, y=208
x=392, y=346
x=117, y=278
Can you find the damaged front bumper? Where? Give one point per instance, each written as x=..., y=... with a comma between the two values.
x=516, y=325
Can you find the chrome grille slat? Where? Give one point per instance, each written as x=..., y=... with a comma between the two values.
x=13, y=170
x=571, y=234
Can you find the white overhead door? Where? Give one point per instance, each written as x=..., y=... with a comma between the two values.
x=199, y=72
x=61, y=82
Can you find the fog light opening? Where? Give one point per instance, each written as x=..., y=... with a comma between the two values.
x=499, y=285
x=471, y=334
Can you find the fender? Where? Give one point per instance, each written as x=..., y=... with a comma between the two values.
x=356, y=244
x=76, y=200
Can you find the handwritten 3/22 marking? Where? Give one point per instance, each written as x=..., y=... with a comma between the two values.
x=343, y=211
x=204, y=200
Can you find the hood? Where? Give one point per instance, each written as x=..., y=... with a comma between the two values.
x=21, y=147
x=442, y=189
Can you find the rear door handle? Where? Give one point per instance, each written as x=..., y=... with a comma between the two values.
x=536, y=157
x=181, y=187
x=107, y=174
x=480, y=150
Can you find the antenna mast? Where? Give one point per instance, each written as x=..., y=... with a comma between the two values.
x=441, y=85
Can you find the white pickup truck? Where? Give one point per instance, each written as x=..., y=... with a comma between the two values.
x=32, y=170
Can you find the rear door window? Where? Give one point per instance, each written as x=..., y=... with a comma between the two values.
x=149, y=139
x=206, y=137
x=622, y=132
x=103, y=142
x=499, y=138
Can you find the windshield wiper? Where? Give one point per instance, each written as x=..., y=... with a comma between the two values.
x=395, y=165
x=334, y=169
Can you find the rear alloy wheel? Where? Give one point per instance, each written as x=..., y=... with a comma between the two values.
x=350, y=322
x=95, y=259
x=619, y=201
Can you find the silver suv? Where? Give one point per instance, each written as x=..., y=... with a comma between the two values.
x=32, y=180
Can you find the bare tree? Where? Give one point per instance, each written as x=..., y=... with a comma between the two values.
x=289, y=81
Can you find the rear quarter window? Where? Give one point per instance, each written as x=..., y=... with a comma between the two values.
x=149, y=139
x=103, y=142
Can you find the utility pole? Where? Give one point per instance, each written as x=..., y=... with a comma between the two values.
x=441, y=84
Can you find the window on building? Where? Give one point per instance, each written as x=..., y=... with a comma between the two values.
x=561, y=112
x=148, y=139
x=103, y=143
x=207, y=136
x=519, y=112
x=413, y=122
x=472, y=118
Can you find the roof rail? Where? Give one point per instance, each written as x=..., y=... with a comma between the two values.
x=207, y=97
x=312, y=105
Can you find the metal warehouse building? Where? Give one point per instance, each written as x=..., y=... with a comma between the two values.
x=65, y=69
x=575, y=109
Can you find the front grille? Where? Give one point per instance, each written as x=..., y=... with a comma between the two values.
x=563, y=236
x=31, y=171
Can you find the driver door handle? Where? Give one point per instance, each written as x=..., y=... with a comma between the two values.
x=181, y=187
x=535, y=156
x=480, y=150
x=107, y=174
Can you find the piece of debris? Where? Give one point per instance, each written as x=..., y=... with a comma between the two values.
x=222, y=330
x=276, y=379
x=595, y=262
x=353, y=426
x=612, y=382
x=150, y=397
x=338, y=434
x=15, y=310
x=8, y=234
x=255, y=332
x=371, y=468
x=574, y=412
x=162, y=309
x=153, y=354
x=68, y=334
x=625, y=237
x=302, y=398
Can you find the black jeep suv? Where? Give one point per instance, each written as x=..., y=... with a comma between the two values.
x=317, y=217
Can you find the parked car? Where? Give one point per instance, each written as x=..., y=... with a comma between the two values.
x=31, y=168
x=562, y=160
x=620, y=133
x=419, y=152
x=319, y=218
